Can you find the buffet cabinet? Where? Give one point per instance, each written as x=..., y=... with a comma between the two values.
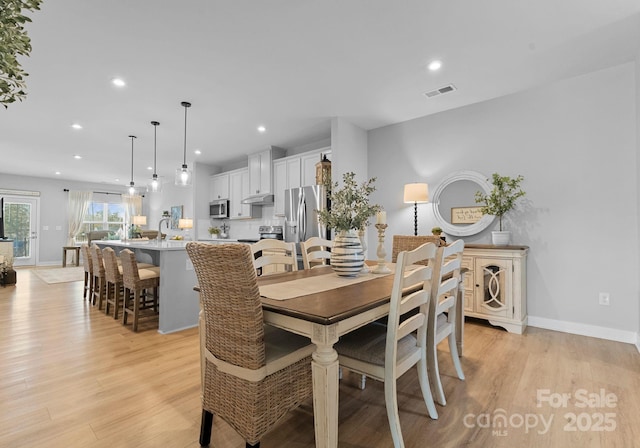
x=496, y=285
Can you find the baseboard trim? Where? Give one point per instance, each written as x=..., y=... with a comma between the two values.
x=593, y=331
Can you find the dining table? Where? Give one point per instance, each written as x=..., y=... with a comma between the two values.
x=319, y=304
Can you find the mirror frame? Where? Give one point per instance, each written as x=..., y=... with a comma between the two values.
x=452, y=229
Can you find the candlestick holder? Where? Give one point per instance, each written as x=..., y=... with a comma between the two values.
x=381, y=253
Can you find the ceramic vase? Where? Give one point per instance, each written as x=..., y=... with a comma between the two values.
x=501, y=238
x=347, y=256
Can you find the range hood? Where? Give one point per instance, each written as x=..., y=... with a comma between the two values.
x=258, y=199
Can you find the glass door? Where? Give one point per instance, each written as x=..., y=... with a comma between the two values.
x=21, y=225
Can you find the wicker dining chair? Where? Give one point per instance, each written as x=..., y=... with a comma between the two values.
x=137, y=286
x=410, y=242
x=386, y=352
x=252, y=374
x=87, y=262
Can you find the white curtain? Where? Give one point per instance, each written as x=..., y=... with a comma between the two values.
x=78, y=205
x=133, y=205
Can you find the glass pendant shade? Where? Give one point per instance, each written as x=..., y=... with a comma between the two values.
x=154, y=185
x=183, y=175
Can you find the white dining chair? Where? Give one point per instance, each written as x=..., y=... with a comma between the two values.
x=271, y=256
x=315, y=251
x=442, y=312
x=386, y=352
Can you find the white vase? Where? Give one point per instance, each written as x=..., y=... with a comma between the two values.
x=501, y=238
x=347, y=256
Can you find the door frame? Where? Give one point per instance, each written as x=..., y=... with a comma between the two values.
x=34, y=260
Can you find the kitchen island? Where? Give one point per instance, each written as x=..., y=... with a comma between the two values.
x=179, y=303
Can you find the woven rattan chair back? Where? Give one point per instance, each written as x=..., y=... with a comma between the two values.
x=402, y=243
x=113, y=278
x=87, y=262
x=99, y=280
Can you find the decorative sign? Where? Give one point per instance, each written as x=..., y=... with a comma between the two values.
x=465, y=215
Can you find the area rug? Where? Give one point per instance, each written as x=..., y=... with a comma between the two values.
x=60, y=275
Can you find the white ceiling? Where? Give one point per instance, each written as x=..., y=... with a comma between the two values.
x=290, y=65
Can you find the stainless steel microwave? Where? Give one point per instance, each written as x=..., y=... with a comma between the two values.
x=219, y=209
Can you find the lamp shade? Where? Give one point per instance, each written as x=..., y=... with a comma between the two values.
x=140, y=220
x=185, y=223
x=416, y=193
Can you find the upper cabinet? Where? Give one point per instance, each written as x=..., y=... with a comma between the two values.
x=260, y=166
x=219, y=186
x=239, y=189
x=295, y=171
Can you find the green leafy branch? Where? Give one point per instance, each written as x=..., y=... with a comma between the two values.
x=350, y=207
x=502, y=198
x=14, y=42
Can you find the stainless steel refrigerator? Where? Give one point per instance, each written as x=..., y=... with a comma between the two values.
x=300, y=211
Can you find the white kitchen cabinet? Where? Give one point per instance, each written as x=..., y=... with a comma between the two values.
x=308, y=161
x=238, y=190
x=294, y=171
x=219, y=186
x=260, y=170
x=496, y=285
x=286, y=174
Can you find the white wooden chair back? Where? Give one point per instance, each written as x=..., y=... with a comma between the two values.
x=278, y=255
x=315, y=252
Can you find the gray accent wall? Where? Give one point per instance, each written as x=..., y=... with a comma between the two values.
x=576, y=143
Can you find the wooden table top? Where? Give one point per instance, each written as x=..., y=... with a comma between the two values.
x=331, y=306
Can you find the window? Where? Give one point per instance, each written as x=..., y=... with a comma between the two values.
x=103, y=216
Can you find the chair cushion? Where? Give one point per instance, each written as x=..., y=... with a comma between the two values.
x=148, y=273
x=368, y=344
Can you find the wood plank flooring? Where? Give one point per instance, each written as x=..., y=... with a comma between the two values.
x=72, y=377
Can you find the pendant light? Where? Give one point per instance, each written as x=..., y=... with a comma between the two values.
x=183, y=175
x=155, y=184
x=132, y=188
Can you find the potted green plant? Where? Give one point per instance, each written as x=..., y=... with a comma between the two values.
x=500, y=200
x=436, y=231
x=214, y=232
x=349, y=213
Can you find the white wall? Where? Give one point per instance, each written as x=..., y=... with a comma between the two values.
x=638, y=173
x=575, y=144
x=348, y=150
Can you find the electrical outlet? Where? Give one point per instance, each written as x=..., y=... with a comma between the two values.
x=603, y=299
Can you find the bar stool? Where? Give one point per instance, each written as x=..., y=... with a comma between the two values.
x=88, y=272
x=99, y=279
x=137, y=283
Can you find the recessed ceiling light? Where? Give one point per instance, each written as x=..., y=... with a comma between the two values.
x=197, y=151
x=77, y=157
x=435, y=65
x=117, y=180
x=76, y=126
x=57, y=173
x=262, y=129
x=149, y=168
x=118, y=82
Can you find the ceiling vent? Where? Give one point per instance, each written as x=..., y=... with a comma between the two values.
x=441, y=91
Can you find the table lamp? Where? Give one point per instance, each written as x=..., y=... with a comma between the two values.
x=185, y=224
x=140, y=220
x=416, y=193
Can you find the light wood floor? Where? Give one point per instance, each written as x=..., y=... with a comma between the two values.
x=72, y=377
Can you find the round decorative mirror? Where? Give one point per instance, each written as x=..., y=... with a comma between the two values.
x=454, y=204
